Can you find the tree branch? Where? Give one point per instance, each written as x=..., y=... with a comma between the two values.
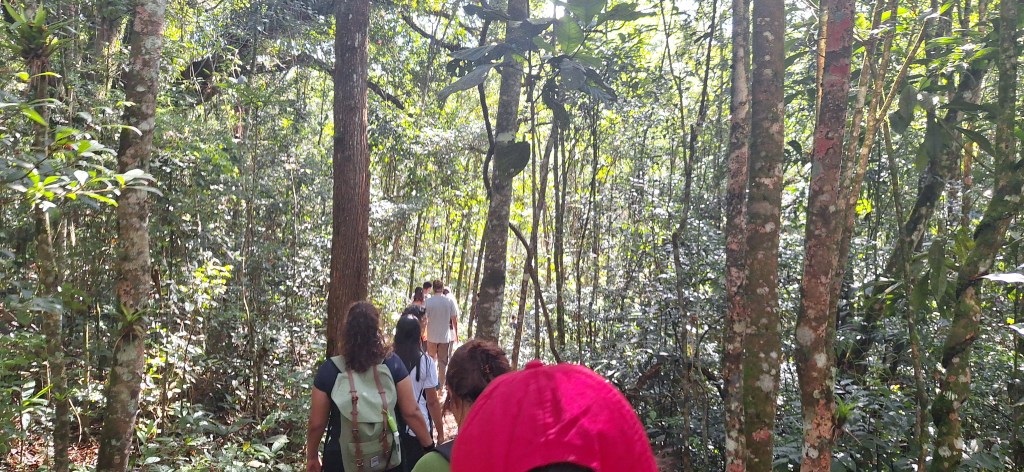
x=451, y=47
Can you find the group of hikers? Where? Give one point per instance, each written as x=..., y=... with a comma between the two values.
x=380, y=404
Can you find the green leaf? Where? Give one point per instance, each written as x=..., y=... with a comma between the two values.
x=33, y=115
x=134, y=174
x=984, y=53
x=586, y=10
x=621, y=12
x=478, y=53
x=15, y=14
x=472, y=79
x=542, y=45
x=979, y=139
x=101, y=198
x=568, y=34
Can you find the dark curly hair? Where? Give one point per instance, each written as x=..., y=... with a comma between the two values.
x=473, y=366
x=362, y=341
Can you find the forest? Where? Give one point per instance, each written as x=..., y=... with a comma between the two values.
x=788, y=231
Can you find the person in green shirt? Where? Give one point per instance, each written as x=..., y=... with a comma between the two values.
x=472, y=368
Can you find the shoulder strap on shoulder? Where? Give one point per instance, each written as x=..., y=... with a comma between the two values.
x=339, y=362
x=445, y=450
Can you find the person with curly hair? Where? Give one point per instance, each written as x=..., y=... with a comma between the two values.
x=472, y=368
x=363, y=350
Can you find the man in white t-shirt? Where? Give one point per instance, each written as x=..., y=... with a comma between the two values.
x=442, y=329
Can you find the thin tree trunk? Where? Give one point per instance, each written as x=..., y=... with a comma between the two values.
x=815, y=329
x=350, y=215
x=682, y=279
x=142, y=81
x=474, y=288
x=737, y=317
x=49, y=279
x=764, y=201
x=1015, y=388
x=415, y=256
x=942, y=166
x=955, y=373
x=560, y=174
x=510, y=158
x=539, y=203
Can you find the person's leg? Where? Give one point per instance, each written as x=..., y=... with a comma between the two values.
x=432, y=350
x=443, y=351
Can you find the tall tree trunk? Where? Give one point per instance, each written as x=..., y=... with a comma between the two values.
x=539, y=203
x=142, y=80
x=737, y=317
x=815, y=329
x=561, y=183
x=49, y=280
x=53, y=330
x=350, y=235
x=955, y=372
x=764, y=200
x=510, y=158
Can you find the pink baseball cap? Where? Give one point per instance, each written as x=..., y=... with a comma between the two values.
x=545, y=415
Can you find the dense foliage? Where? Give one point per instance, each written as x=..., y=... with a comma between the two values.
x=625, y=107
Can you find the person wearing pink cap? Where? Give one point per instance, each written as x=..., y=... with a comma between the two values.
x=552, y=418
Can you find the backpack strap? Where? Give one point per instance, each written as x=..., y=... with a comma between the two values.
x=355, y=418
x=445, y=450
x=387, y=416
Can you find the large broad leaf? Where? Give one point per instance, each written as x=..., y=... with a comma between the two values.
x=979, y=139
x=549, y=95
x=621, y=12
x=586, y=10
x=489, y=53
x=572, y=74
x=472, y=79
x=568, y=34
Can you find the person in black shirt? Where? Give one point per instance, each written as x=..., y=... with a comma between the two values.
x=363, y=349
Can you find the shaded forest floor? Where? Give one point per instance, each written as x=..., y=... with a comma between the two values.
x=32, y=455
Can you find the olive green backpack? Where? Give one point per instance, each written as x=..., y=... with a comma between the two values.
x=368, y=435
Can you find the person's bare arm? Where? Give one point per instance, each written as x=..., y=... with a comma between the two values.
x=434, y=407
x=411, y=412
x=319, y=411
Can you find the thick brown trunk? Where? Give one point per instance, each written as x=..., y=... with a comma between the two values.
x=815, y=329
x=142, y=80
x=736, y=318
x=955, y=372
x=764, y=200
x=350, y=211
x=510, y=158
